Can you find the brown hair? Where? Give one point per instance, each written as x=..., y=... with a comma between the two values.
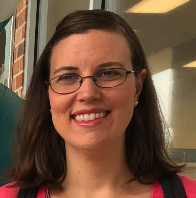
x=39, y=151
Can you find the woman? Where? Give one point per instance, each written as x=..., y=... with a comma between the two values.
x=91, y=125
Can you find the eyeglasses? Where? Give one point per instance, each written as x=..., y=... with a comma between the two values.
x=106, y=78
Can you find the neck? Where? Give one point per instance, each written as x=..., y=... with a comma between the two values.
x=100, y=172
x=97, y=168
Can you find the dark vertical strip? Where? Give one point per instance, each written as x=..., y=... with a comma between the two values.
x=4, y=23
x=103, y=5
x=36, y=32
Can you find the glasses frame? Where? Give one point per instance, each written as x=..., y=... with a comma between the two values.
x=82, y=78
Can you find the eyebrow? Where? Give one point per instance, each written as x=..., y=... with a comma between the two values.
x=63, y=68
x=103, y=65
x=111, y=63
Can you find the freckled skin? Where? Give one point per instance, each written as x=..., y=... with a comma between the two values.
x=86, y=52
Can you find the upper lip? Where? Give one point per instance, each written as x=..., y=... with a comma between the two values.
x=89, y=111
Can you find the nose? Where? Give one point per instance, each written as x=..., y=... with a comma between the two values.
x=88, y=90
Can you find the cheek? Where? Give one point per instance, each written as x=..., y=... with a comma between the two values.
x=123, y=97
x=58, y=103
x=123, y=104
x=55, y=102
x=126, y=109
x=129, y=103
x=59, y=109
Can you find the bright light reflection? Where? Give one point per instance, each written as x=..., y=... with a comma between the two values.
x=156, y=6
x=191, y=64
x=163, y=82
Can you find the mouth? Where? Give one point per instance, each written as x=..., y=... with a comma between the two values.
x=85, y=117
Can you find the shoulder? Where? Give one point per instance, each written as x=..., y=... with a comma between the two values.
x=7, y=191
x=189, y=186
x=157, y=190
x=188, y=183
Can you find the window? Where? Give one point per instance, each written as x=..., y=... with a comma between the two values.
x=6, y=53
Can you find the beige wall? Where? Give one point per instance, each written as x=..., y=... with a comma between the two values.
x=57, y=9
x=183, y=103
x=176, y=88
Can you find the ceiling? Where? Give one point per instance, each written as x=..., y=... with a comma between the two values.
x=159, y=31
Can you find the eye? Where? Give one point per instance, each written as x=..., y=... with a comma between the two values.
x=67, y=79
x=109, y=74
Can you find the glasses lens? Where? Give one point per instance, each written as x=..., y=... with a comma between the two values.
x=65, y=83
x=110, y=77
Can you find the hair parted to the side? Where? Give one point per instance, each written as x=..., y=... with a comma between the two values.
x=39, y=151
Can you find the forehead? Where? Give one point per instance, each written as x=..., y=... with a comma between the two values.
x=90, y=49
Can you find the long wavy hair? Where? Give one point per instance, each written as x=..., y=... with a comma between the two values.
x=39, y=151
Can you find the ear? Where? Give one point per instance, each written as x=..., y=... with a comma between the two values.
x=139, y=83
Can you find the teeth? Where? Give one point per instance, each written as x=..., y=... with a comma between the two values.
x=81, y=117
x=92, y=116
x=77, y=117
x=87, y=117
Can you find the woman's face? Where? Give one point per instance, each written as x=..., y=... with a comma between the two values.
x=86, y=54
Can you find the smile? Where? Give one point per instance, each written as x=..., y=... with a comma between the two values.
x=90, y=117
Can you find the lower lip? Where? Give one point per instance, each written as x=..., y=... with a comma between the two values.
x=90, y=123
